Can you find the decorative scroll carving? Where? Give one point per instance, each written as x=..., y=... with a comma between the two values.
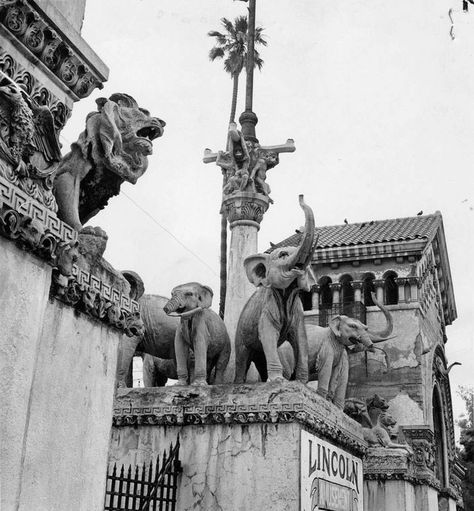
x=29, y=147
x=264, y=413
x=35, y=89
x=113, y=148
x=26, y=24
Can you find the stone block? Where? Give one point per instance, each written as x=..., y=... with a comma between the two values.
x=253, y=446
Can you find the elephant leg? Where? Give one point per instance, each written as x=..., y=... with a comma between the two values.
x=324, y=374
x=148, y=371
x=182, y=354
x=261, y=366
x=269, y=336
x=341, y=388
x=200, y=359
x=242, y=362
x=127, y=350
x=300, y=341
x=222, y=361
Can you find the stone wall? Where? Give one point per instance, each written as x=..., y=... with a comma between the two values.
x=240, y=444
x=57, y=373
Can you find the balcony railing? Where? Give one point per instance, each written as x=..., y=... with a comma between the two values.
x=354, y=310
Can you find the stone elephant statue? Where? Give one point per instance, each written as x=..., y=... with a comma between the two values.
x=328, y=349
x=158, y=337
x=274, y=313
x=201, y=331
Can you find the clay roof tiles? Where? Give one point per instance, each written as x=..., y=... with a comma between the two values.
x=375, y=231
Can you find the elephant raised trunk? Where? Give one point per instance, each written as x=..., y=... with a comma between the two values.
x=382, y=334
x=301, y=259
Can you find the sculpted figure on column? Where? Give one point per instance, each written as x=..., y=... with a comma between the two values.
x=274, y=313
x=113, y=148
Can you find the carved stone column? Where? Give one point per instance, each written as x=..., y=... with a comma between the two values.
x=401, y=281
x=244, y=211
x=379, y=288
x=336, y=292
x=357, y=287
x=414, y=284
x=315, y=298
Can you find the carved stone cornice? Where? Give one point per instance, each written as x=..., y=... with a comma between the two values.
x=33, y=87
x=245, y=208
x=262, y=403
x=381, y=464
x=41, y=41
x=36, y=229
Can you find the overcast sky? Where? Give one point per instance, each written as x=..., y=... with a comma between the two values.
x=377, y=96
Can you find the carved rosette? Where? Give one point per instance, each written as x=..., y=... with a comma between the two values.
x=28, y=25
x=245, y=208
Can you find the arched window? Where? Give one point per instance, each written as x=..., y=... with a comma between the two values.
x=391, y=288
x=439, y=436
x=347, y=294
x=325, y=293
x=367, y=288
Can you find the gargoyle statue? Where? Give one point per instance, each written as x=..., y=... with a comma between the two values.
x=371, y=416
x=113, y=148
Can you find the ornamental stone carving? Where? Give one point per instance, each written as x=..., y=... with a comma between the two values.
x=25, y=22
x=113, y=148
x=245, y=208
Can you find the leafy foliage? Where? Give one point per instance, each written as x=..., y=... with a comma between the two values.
x=466, y=423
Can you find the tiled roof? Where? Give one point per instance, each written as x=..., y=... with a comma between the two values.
x=371, y=232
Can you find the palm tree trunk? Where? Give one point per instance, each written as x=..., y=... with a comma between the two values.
x=223, y=261
x=235, y=89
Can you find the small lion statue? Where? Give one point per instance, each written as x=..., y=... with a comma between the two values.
x=112, y=149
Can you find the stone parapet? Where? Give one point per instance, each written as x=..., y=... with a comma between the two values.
x=259, y=403
x=37, y=229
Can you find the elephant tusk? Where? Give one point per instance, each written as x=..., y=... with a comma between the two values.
x=388, y=317
x=375, y=341
x=186, y=314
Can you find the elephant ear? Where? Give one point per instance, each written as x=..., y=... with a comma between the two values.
x=137, y=287
x=335, y=325
x=256, y=267
x=205, y=296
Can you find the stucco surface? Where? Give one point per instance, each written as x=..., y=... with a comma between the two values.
x=57, y=372
x=390, y=496
x=23, y=294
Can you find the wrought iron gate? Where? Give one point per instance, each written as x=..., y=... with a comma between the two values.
x=144, y=488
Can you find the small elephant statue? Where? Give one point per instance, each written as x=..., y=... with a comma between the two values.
x=201, y=331
x=274, y=313
x=328, y=349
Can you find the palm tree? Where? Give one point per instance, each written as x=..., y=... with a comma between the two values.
x=232, y=47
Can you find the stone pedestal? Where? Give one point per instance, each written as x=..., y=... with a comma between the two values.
x=275, y=446
x=244, y=212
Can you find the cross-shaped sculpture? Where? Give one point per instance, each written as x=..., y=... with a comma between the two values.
x=245, y=163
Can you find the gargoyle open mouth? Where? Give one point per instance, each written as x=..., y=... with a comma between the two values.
x=150, y=132
x=180, y=310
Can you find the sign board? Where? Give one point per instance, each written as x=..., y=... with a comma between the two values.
x=331, y=478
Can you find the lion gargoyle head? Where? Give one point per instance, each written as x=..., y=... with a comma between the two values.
x=113, y=148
